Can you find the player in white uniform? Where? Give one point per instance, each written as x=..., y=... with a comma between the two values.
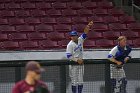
x=119, y=55
x=74, y=53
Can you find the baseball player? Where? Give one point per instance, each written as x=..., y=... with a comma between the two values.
x=119, y=55
x=31, y=83
x=74, y=52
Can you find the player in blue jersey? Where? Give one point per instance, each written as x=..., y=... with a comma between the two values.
x=119, y=55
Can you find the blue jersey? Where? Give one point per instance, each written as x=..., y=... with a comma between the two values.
x=120, y=53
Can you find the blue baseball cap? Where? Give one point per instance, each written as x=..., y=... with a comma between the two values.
x=73, y=33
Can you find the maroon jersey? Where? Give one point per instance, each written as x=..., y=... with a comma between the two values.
x=24, y=87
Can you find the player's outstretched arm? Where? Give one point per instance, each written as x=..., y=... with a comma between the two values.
x=87, y=28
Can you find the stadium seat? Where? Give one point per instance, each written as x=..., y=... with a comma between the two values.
x=111, y=35
x=10, y=45
x=104, y=43
x=3, y=21
x=7, y=29
x=27, y=5
x=79, y=20
x=12, y=6
x=118, y=27
x=54, y=12
x=134, y=26
x=44, y=28
x=5, y=1
x=16, y=21
x=85, y=12
x=89, y=5
x=94, y=35
x=59, y=5
x=100, y=27
x=64, y=20
x=89, y=44
x=127, y=19
x=110, y=19
x=130, y=34
x=36, y=36
x=56, y=36
x=48, y=44
x=22, y=13
x=74, y=5
x=96, y=19
x=32, y=21
x=63, y=43
x=62, y=28
x=2, y=6
x=31, y=45
x=43, y=5
x=116, y=12
x=105, y=4
x=3, y=37
x=25, y=28
x=7, y=13
x=136, y=42
x=37, y=13
x=79, y=27
x=69, y=12
x=18, y=36
x=48, y=20
x=100, y=12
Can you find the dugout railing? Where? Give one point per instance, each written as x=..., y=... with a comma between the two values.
x=97, y=75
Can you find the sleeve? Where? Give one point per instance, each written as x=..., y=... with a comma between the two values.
x=16, y=89
x=112, y=53
x=69, y=51
x=83, y=37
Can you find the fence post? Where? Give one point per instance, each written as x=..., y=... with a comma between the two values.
x=62, y=79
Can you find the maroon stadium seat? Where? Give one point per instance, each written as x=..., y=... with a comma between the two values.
x=12, y=6
x=7, y=13
x=111, y=34
x=63, y=43
x=44, y=28
x=96, y=19
x=59, y=5
x=80, y=20
x=56, y=36
x=22, y=13
x=79, y=27
x=18, y=36
x=100, y=12
x=85, y=12
x=136, y=42
x=37, y=13
x=74, y=5
x=100, y=27
x=105, y=4
x=2, y=6
x=94, y=35
x=89, y=4
x=32, y=21
x=89, y=44
x=16, y=21
x=110, y=19
x=69, y=12
x=104, y=43
x=48, y=44
x=48, y=20
x=64, y=20
x=118, y=27
x=54, y=12
x=36, y=36
x=27, y=5
x=10, y=45
x=116, y=12
x=127, y=19
x=134, y=26
x=25, y=28
x=62, y=28
x=29, y=45
x=3, y=37
x=7, y=29
x=3, y=21
x=43, y=5
x=130, y=34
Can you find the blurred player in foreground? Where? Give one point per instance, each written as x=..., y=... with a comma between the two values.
x=119, y=55
x=31, y=83
x=74, y=53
